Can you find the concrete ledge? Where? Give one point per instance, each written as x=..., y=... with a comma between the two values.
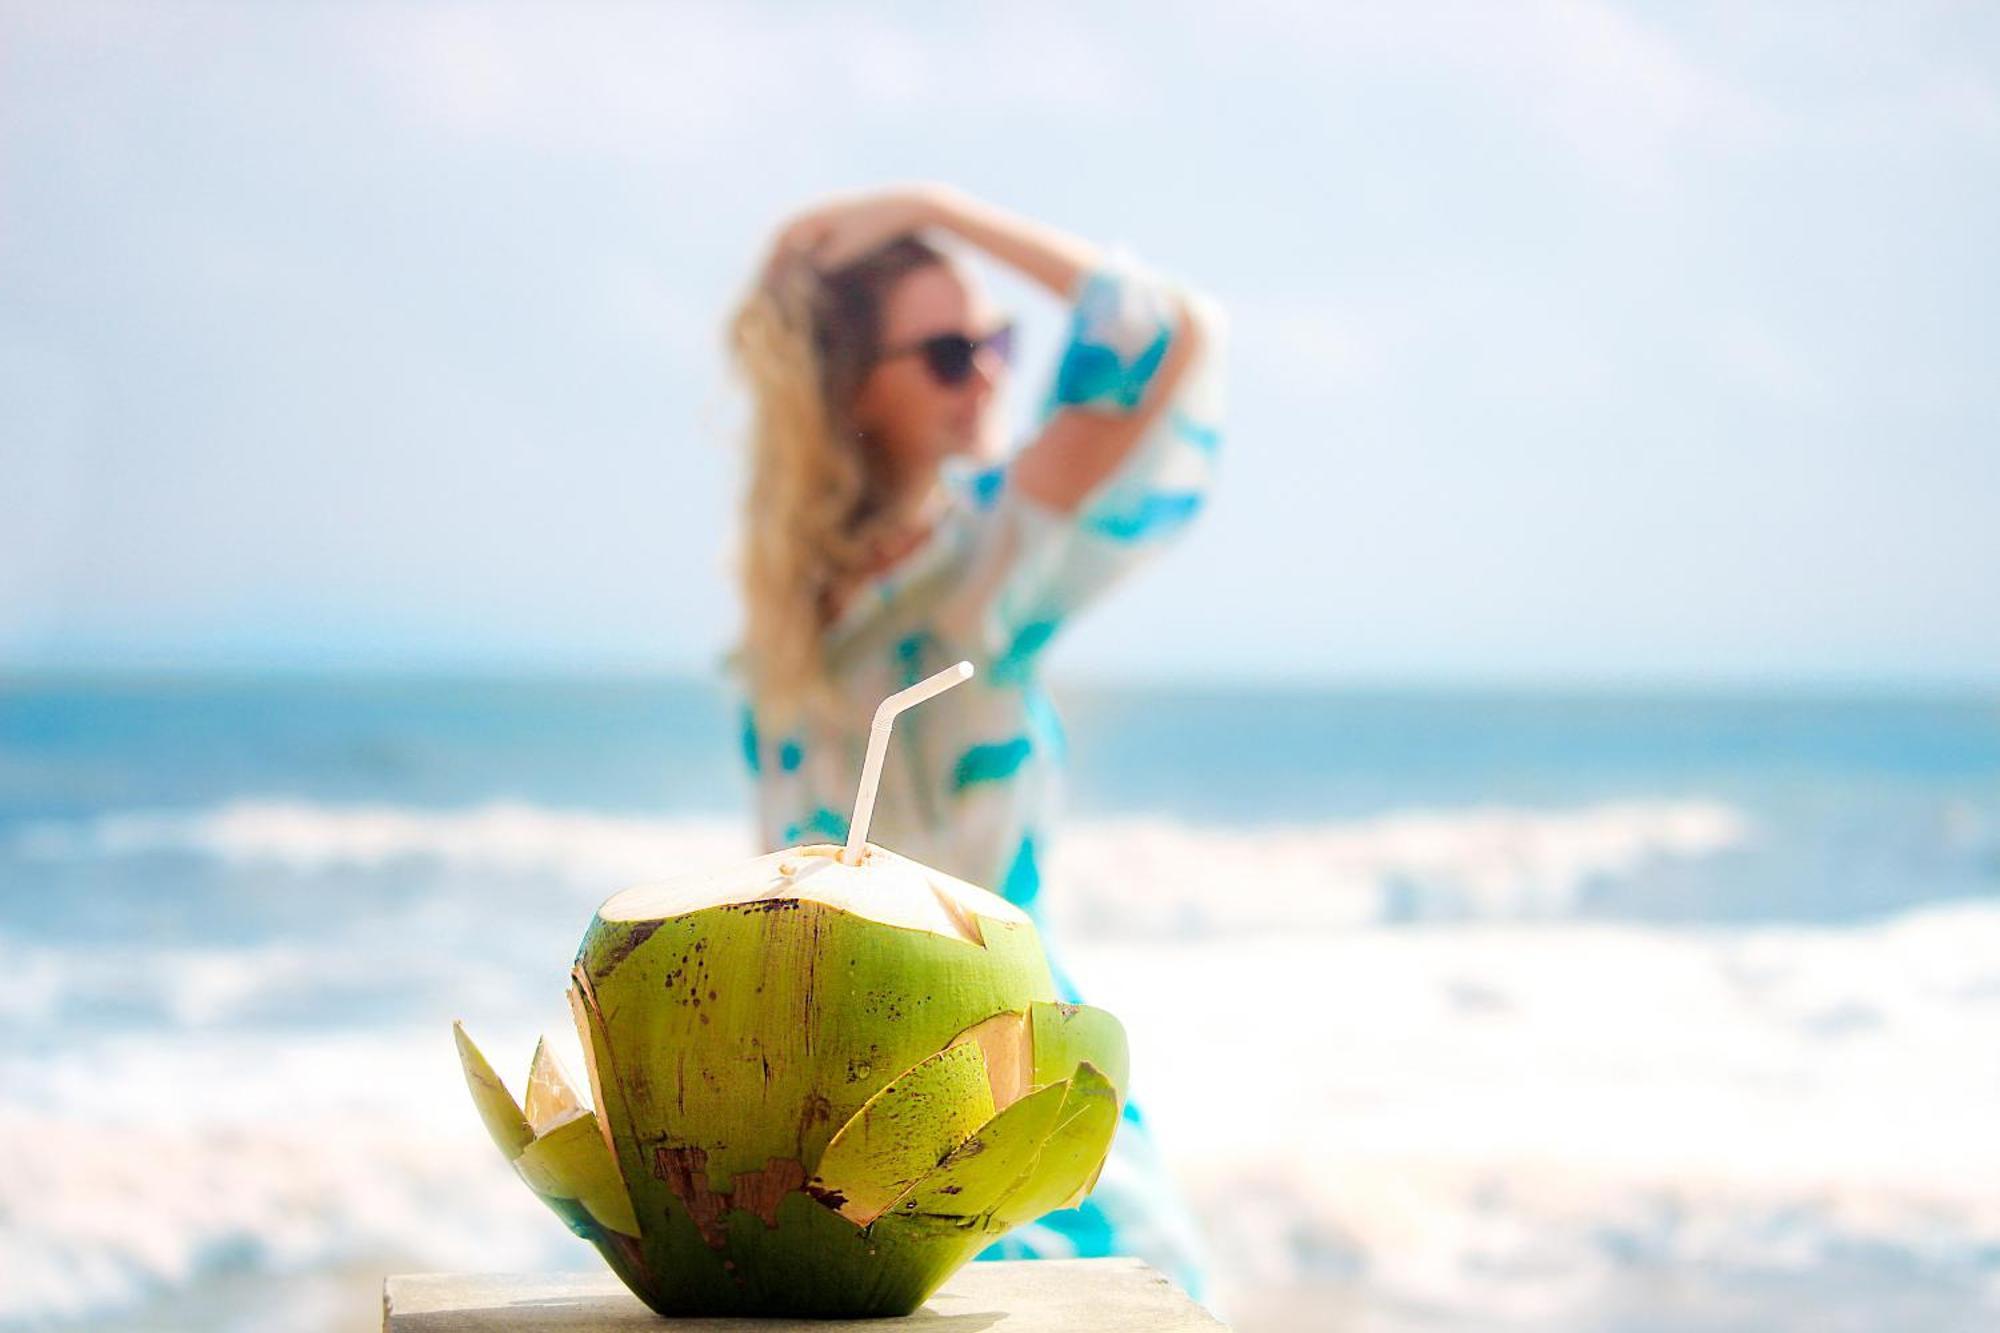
x=1053, y=1295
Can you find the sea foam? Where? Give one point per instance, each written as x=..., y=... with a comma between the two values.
x=1498, y=1113
x=1115, y=875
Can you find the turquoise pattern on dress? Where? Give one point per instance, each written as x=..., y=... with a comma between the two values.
x=1014, y=665
x=1099, y=367
x=1045, y=728
x=749, y=737
x=985, y=487
x=910, y=652
x=1155, y=515
x=1206, y=438
x=822, y=825
x=1096, y=375
x=1023, y=880
x=990, y=763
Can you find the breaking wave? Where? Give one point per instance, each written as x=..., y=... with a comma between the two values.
x=1499, y=1117
x=1112, y=875
x=1499, y=1123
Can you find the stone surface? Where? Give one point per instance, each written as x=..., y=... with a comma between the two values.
x=1051, y=1295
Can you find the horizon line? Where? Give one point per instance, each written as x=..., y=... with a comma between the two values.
x=1718, y=684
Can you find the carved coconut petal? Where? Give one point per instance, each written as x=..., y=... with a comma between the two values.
x=1007, y=1045
x=1072, y=1155
x=987, y=1167
x=570, y=1162
x=903, y=1132
x=1066, y=1035
x=497, y=1107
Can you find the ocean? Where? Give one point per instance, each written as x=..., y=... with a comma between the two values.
x=1451, y=1010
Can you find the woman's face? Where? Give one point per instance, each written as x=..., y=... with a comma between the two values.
x=902, y=405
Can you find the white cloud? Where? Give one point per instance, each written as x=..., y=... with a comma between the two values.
x=1468, y=328
x=670, y=83
x=1317, y=347
x=1629, y=98
x=1758, y=356
x=1623, y=96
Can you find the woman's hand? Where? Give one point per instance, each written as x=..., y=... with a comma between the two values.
x=845, y=227
x=839, y=230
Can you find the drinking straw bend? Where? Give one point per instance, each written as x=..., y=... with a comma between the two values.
x=878, y=746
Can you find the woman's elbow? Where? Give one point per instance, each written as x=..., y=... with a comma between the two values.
x=1194, y=401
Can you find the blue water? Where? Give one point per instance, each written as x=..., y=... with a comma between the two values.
x=70, y=746
x=194, y=868
x=1866, y=805
x=1858, y=808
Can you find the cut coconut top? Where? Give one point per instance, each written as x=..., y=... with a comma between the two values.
x=885, y=887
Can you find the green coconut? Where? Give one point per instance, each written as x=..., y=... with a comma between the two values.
x=820, y=1087
x=823, y=1080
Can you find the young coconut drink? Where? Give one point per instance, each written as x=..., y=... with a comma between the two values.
x=823, y=1079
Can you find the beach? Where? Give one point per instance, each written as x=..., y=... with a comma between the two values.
x=1450, y=1011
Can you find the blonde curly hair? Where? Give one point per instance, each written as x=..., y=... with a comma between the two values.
x=803, y=343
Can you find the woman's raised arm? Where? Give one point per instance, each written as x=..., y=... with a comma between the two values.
x=844, y=228
x=1083, y=444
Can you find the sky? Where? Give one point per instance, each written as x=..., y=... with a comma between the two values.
x=1583, y=343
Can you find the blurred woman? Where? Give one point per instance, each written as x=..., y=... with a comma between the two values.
x=886, y=536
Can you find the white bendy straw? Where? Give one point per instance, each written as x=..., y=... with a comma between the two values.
x=878, y=745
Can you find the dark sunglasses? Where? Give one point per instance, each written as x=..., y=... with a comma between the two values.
x=949, y=356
